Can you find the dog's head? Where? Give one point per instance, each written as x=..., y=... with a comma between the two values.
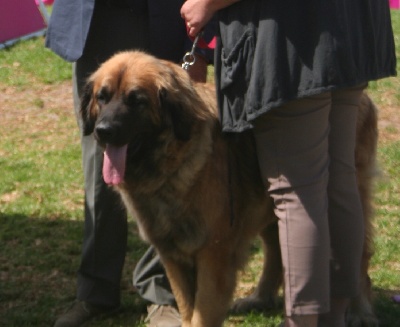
x=135, y=93
x=134, y=97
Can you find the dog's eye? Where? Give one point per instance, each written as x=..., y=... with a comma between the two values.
x=102, y=96
x=135, y=98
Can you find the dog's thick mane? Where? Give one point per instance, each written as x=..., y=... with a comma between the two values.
x=167, y=162
x=174, y=161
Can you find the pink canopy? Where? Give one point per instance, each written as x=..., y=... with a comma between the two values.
x=20, y=19
x=46, y=2
x=394, y=4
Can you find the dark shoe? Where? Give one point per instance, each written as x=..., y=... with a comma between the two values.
x=163, y=316
x=80, y=313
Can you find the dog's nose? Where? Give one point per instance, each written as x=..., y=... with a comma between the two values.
x=105, y=131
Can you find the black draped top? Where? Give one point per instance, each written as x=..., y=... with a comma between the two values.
x=273, y=51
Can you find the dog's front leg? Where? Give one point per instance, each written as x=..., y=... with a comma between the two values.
x=182, y=281
x=216, y=280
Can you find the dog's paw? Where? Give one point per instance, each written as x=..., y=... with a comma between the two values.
x=252, y=303
x=361, y=319
x=366, y=321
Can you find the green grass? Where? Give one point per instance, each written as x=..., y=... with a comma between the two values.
x=41, y=199
x=28, y=62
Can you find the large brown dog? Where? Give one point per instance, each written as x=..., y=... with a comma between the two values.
x=196, y=193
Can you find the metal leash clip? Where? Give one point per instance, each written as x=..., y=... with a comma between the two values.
x=189, y=58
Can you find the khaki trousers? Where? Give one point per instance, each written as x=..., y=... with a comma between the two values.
x=306, y=156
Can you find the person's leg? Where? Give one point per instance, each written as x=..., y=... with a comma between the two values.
x=345, y=210
x=105, y=232
x=105, y=237
x=151, y=283
x=292, y=146
x=130, y=31
x=150, y=280
x=104, y=246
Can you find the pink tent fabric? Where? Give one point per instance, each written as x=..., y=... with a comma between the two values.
x=46, y=2
x=395, y=4
x=20, y=18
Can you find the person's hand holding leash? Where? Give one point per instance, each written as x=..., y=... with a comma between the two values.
x=197, y=13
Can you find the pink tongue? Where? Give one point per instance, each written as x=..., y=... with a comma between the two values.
x=114, y=164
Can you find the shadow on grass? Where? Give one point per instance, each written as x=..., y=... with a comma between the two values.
x=387, y=311
x=39, y=258
x=38, y=261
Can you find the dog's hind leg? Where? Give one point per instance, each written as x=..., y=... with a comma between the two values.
x=360, y=311
x=263, y=297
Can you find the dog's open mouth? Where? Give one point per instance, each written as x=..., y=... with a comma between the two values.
x=114, y=164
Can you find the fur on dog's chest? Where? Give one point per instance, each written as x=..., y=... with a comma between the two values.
x=169, y=224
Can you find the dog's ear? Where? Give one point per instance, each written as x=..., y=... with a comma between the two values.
x=175, y=115
x=86, y=104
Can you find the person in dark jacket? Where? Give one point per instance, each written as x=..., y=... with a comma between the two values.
x=293, y=72
x=87, y=33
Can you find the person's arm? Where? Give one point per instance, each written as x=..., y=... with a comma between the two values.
x=197, y=13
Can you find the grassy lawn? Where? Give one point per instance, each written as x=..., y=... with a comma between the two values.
x=41, y=199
